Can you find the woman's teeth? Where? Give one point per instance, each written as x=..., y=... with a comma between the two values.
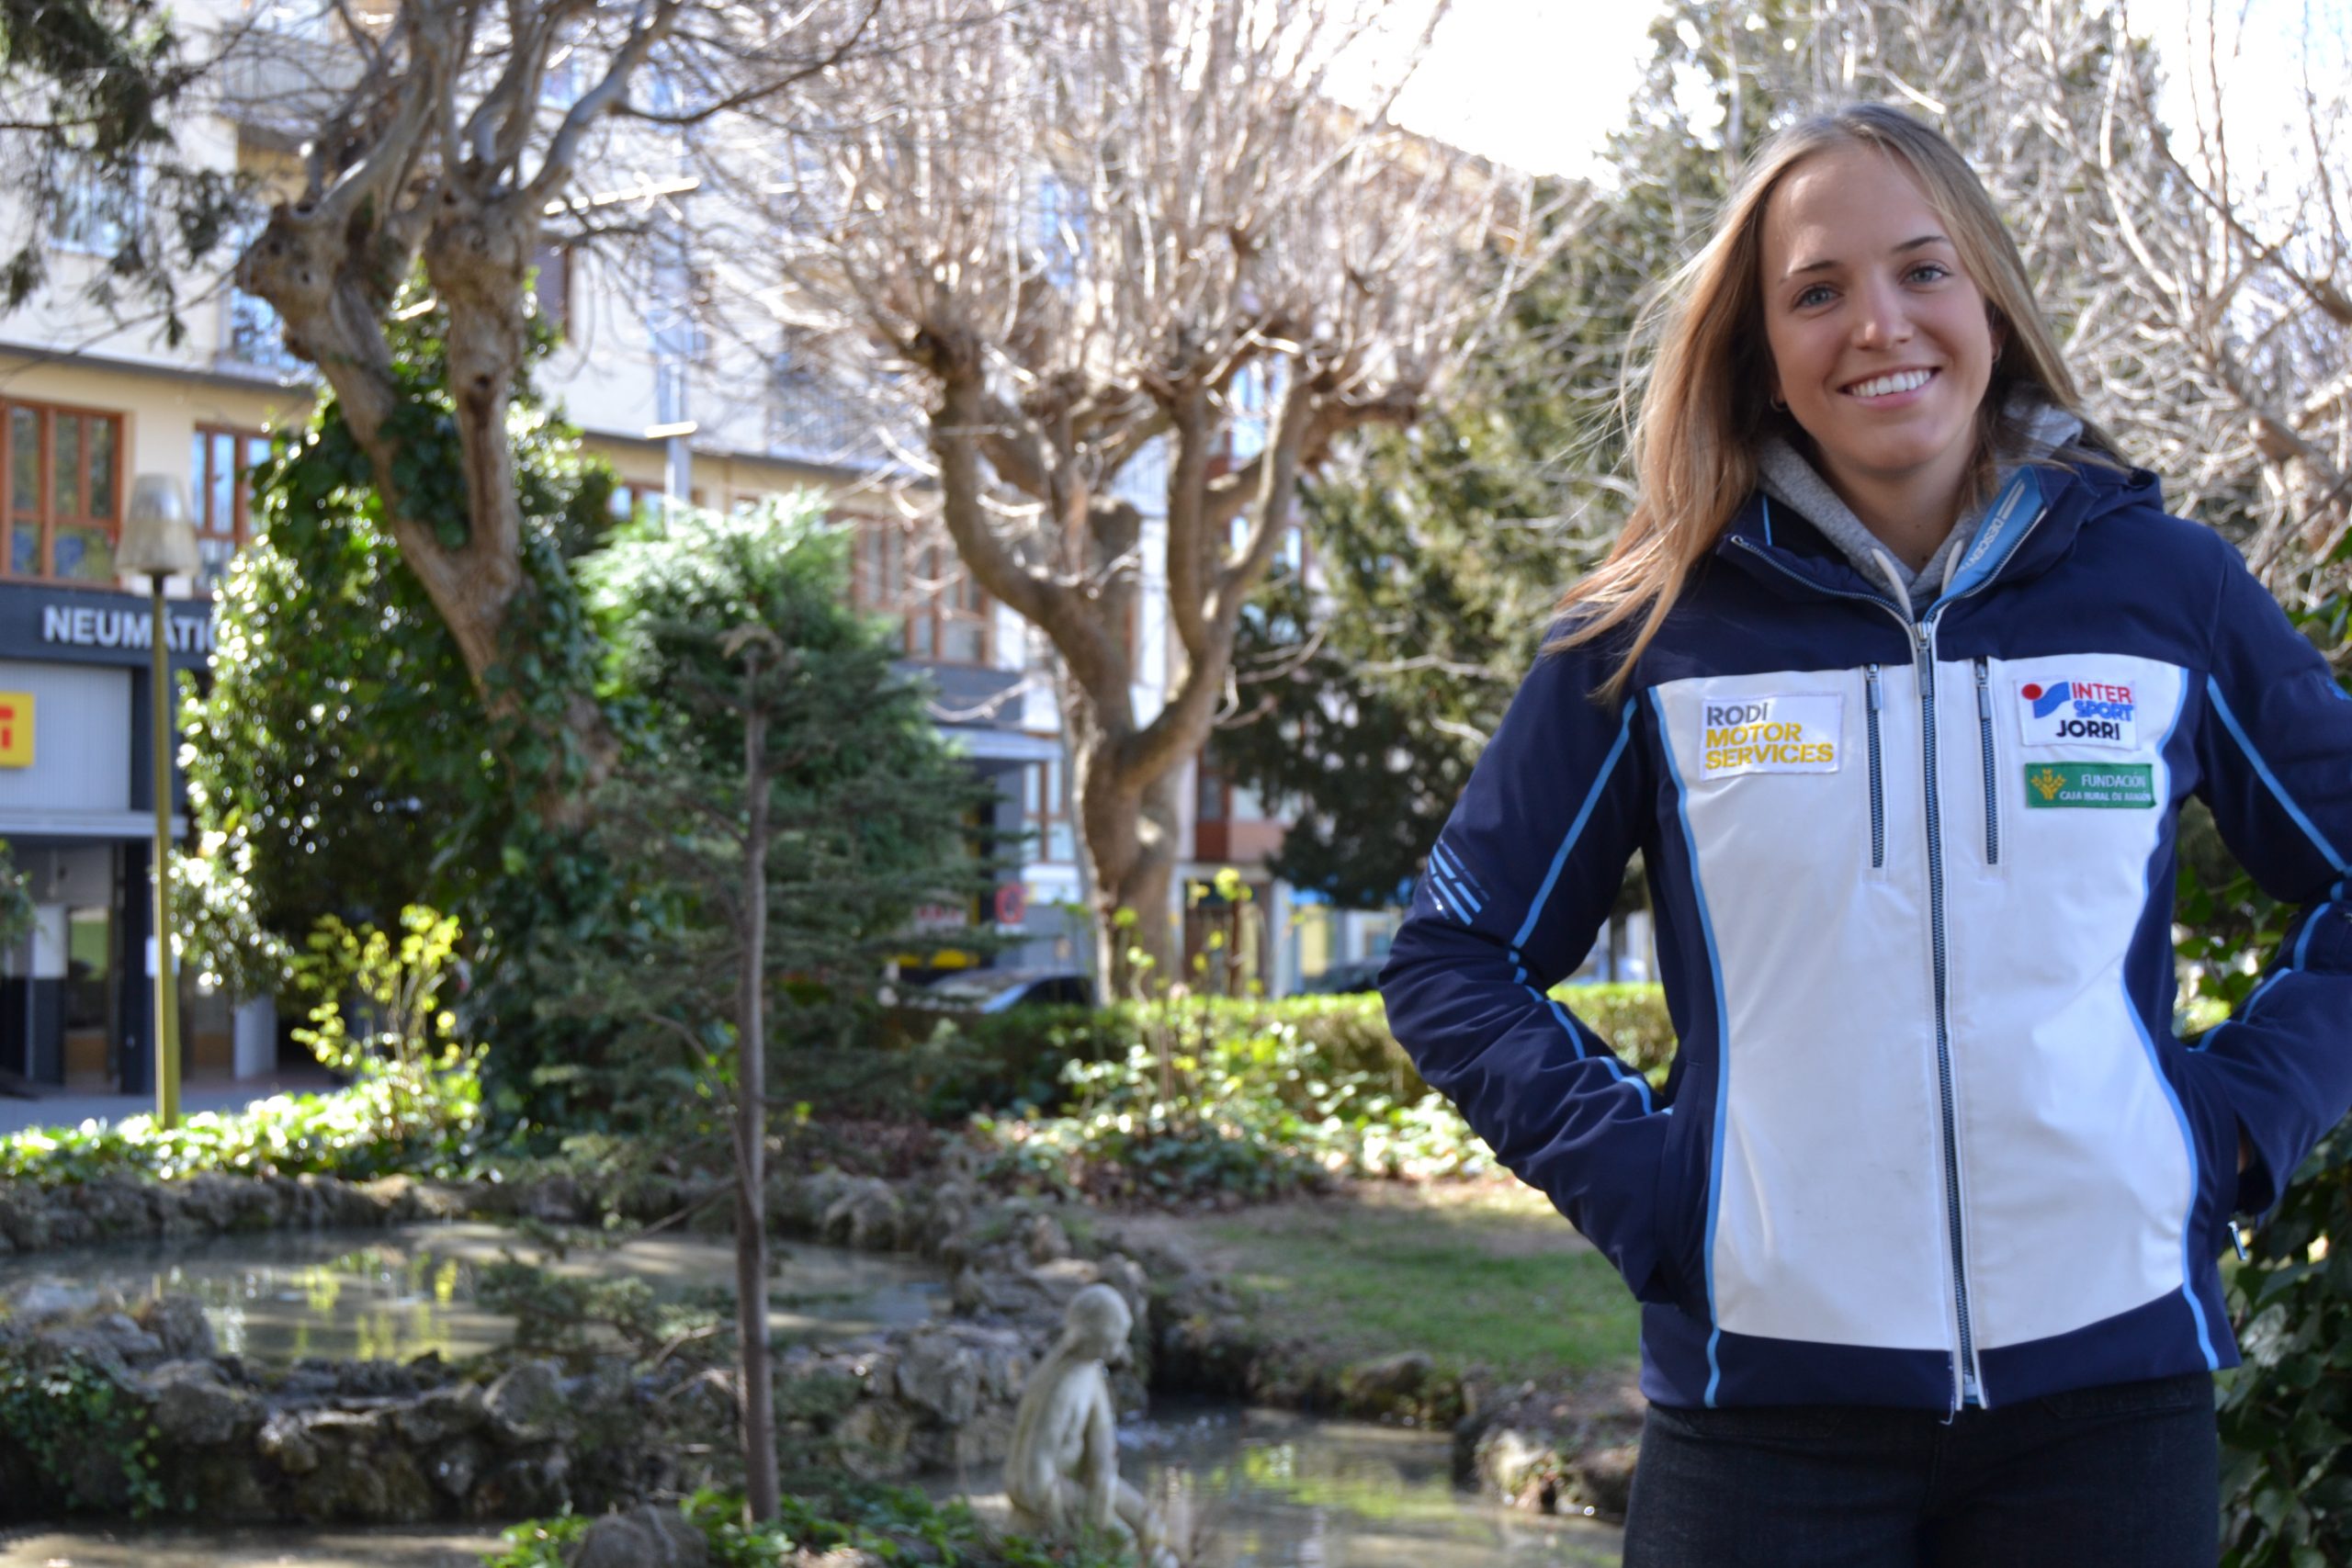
x=1901, y=381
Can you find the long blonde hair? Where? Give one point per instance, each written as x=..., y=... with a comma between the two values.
x=1706, y=407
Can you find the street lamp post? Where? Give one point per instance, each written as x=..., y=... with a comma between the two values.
x=159, y=542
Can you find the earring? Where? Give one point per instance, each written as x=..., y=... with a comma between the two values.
x=1779, y=404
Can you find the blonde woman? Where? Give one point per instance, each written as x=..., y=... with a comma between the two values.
x=1898, y=678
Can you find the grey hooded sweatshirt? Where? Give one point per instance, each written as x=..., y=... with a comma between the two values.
x=1789, y=478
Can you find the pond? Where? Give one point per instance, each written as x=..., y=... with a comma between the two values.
x=396, y=1293
x=1271, y=1490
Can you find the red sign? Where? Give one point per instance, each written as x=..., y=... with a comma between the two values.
x=1011, y=905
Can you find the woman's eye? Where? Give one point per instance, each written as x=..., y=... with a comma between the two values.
x=1813, y=295
x=1930, y=271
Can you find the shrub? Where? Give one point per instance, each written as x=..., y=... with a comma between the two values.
x=1214, y=1103
x=375, y=1128
x=1018, y=1057
x=890, y=1524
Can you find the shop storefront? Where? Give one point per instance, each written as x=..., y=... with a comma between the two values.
x=76, y=996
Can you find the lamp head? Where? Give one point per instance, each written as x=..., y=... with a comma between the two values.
x=159, y=537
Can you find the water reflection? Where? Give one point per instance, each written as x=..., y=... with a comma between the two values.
x=397, y=1293
x=1267, y=1489
x=1271, y=1491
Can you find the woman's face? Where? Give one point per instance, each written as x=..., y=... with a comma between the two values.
x=1881, y=344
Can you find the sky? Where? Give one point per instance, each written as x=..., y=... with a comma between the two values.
x=1537, y=84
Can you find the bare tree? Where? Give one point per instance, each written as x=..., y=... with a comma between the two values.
x=1132, y=258
x=446, y=137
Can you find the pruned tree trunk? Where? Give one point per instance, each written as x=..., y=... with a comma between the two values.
x=1134, y=230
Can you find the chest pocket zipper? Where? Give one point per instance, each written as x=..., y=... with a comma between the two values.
x=1878, y=774
x=1992, y=781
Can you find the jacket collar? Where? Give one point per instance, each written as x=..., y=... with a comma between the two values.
x=2031, y=526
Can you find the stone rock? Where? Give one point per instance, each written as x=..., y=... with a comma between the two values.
x=440, y=1414
x=939, y=1375
x=47, y=1300
x=454, y=1466
x=111, y=1337
x=225, y=1486
x=866, y=1216
x=531, y=1483
x=179, y=1325
x=1604, y=1478
x=1518, y=1464
x=1045, y=1240
x=1406, y=1384
x=872, y=1441
x=650, y=1536
x=525, y=1406
x=286, y=1439
x=975, y=1445
x=193, y=1405
x=360, y=1484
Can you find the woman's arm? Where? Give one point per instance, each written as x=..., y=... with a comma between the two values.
x=2275, y=745
x=1516, y=887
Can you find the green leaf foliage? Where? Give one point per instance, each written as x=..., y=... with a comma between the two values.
x=374, y=1128
x=862, y=1523
x=1176, y=1100
x=719, y=621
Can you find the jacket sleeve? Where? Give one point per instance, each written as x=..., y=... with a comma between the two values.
x=2275, y=749
x=1515, y=889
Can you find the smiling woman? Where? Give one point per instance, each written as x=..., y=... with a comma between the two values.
x=1898, y=680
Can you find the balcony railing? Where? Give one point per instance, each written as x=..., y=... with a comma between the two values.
x=816, y=418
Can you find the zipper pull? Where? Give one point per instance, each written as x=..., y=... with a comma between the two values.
x=1984, y=691
x=1877, y=698
x=2237, y=1240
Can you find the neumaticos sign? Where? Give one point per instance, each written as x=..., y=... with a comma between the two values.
x=82, y=625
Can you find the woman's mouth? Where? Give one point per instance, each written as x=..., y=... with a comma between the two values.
x=1892, y=384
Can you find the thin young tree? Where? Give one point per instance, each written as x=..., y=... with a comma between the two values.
x=1139, y=266
x=799, y=808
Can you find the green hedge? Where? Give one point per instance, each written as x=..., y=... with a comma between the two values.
x=1016, y=1057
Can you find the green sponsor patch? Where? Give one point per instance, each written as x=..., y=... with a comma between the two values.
x=2124, y=785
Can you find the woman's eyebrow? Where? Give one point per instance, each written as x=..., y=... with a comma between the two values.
x=1827, y=261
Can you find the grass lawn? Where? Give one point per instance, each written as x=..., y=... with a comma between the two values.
x=1472, y=1272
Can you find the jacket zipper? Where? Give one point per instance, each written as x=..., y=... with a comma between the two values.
x=1878, y=777
x=1967, y=1388
x=1924, y=640
x=1985, y=747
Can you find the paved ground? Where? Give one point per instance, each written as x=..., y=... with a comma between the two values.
x=71, y=1108
x=450, y=1546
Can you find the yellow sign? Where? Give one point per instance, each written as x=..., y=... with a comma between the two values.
x=15, y=729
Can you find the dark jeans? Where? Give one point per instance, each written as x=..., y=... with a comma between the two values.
x=2125, y=1476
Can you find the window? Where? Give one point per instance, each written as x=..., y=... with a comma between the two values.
x=65, y=477
x=1045, y=808
x=630, y=498
x=551, y=285
x=917, y=579
x=96, y=207
x=222, y=474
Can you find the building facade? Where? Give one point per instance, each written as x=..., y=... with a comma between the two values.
x=683, y=414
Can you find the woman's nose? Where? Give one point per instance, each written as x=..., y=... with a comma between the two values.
x=1880, y=318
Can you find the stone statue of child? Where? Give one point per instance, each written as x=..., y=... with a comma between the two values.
x=1062, y=1475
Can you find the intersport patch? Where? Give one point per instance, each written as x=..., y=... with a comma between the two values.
x=1770, y=735
x=2113, y=785
x=2068, y=712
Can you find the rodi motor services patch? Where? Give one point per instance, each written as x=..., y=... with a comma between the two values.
x=1770, y=735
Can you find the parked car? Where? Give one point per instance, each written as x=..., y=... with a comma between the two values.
x=1340, y=979
x=994, y=990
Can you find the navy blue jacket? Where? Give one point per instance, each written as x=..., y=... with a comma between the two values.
x=1930, y=1138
